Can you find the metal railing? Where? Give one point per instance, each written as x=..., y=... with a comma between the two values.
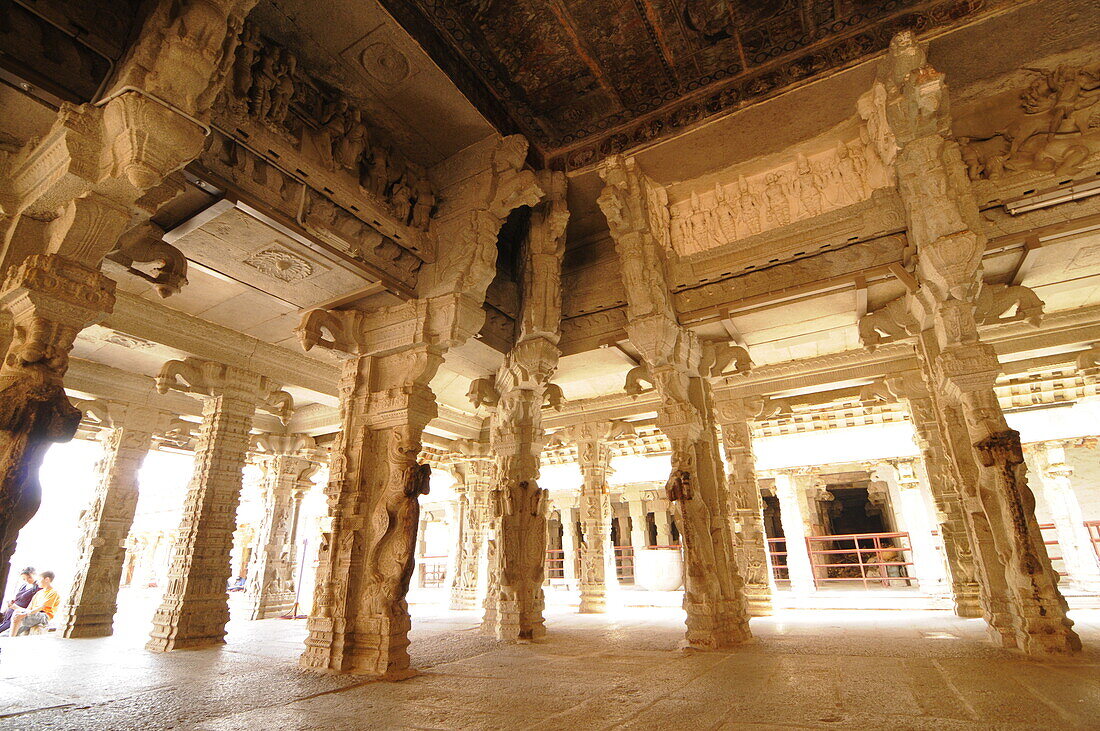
x=433, y=571
x=1093, y=527
x=555, y=563
x=1050, y=538
x=777, y=549
x=869, y=558
x=624, y=564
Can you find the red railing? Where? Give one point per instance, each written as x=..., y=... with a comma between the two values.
x=1093, y=527
x=1050, y=538
x=555, y=563
x=433, y=571
x=624, y=564
x=777, y=549
x=869, y=558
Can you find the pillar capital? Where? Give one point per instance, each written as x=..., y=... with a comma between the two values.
x=210, y=379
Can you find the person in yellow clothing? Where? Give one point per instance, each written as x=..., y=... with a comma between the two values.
x=42, y=607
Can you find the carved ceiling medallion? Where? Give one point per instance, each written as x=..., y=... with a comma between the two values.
x=280, y=264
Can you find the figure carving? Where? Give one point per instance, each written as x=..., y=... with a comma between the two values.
x=1000, y=303
x=1049, y=127
x=144, y=244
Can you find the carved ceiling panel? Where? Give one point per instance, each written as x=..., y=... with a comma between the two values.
x=593, y=77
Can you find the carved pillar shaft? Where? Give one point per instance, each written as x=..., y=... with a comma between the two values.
x=517, y=553
x=468, y=584
x=799, y=569
x=194, y=609
x=752, y=544
x=638, y=525
x=106, y=523
x=271, y=571
x=360, y=621
x=597, y=554
x=570, y=546
x=945, y=495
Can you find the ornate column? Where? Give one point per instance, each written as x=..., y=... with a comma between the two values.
x=638, y=525
x=517, y=554
x=1020, y=595
x=928, y=564
x=105, y=524
x=751, y=548
x=195, y=609
x=474, y=467
x=662, y=521
x=676, y=365
x=569, y=545
x=593, y=441
x=789, y=487
x=69, y=197
x=288, y=467
x=1074, y=542
x=911, y=389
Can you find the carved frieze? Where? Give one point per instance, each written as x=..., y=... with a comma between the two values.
x=800, y=189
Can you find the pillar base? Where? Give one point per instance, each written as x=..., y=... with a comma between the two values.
x=760, y=607
x=715, y=627
x=968, y=607
x=82, y=623
x=379, y=647
x=463, y=600
x=593, y=603
x=271, y=608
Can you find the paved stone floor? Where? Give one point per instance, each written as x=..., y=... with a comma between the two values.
x=819, y=669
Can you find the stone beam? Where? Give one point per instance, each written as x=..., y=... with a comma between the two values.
x=149, y=320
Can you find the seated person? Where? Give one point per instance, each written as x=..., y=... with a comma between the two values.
x=22, y=598
x=41, y=609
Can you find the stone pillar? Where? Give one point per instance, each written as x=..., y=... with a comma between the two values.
x=474, y=469
x=570, y=548
x=639, y=539
x=287, y=469
x=787, y=490
x=910, y=389
x=1074, y=542
x=195, y=608
x=674, y=363
x=593, y=441
x=105, y=524
x=752, y=544
x=1020, y=594
x=928, y=564
x=68, y=198
x=517, y=555
x=662, y=521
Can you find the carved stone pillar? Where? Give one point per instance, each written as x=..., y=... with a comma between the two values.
x=474, y=467
x=638, y=526
x=287, y=468
x=360, y=620
x=1020, y=595
x=1074, y=542
x=676, y=365
x=928, y=565
x=662, y=523
x=789, y=486
x=69, y=196
x=911, y=390
x=106, y=522
x=570, y=547
x=517, y=555
x=752, y=546
x=195, y=609
x=593, y=441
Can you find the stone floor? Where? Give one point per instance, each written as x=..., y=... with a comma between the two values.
x=814, y=669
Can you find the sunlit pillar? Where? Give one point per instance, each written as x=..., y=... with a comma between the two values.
x=1074, y=542
x=928, y=563
x=569, y=545
x=794, y=532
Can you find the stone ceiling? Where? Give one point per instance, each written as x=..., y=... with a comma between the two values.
x=584, y=78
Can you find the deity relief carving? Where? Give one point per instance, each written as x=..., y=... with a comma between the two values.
x=1051, y=126
x=801, y=189
x=325, y=127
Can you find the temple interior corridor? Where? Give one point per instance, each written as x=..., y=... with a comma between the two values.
x=669, y=364
x=805, y=669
